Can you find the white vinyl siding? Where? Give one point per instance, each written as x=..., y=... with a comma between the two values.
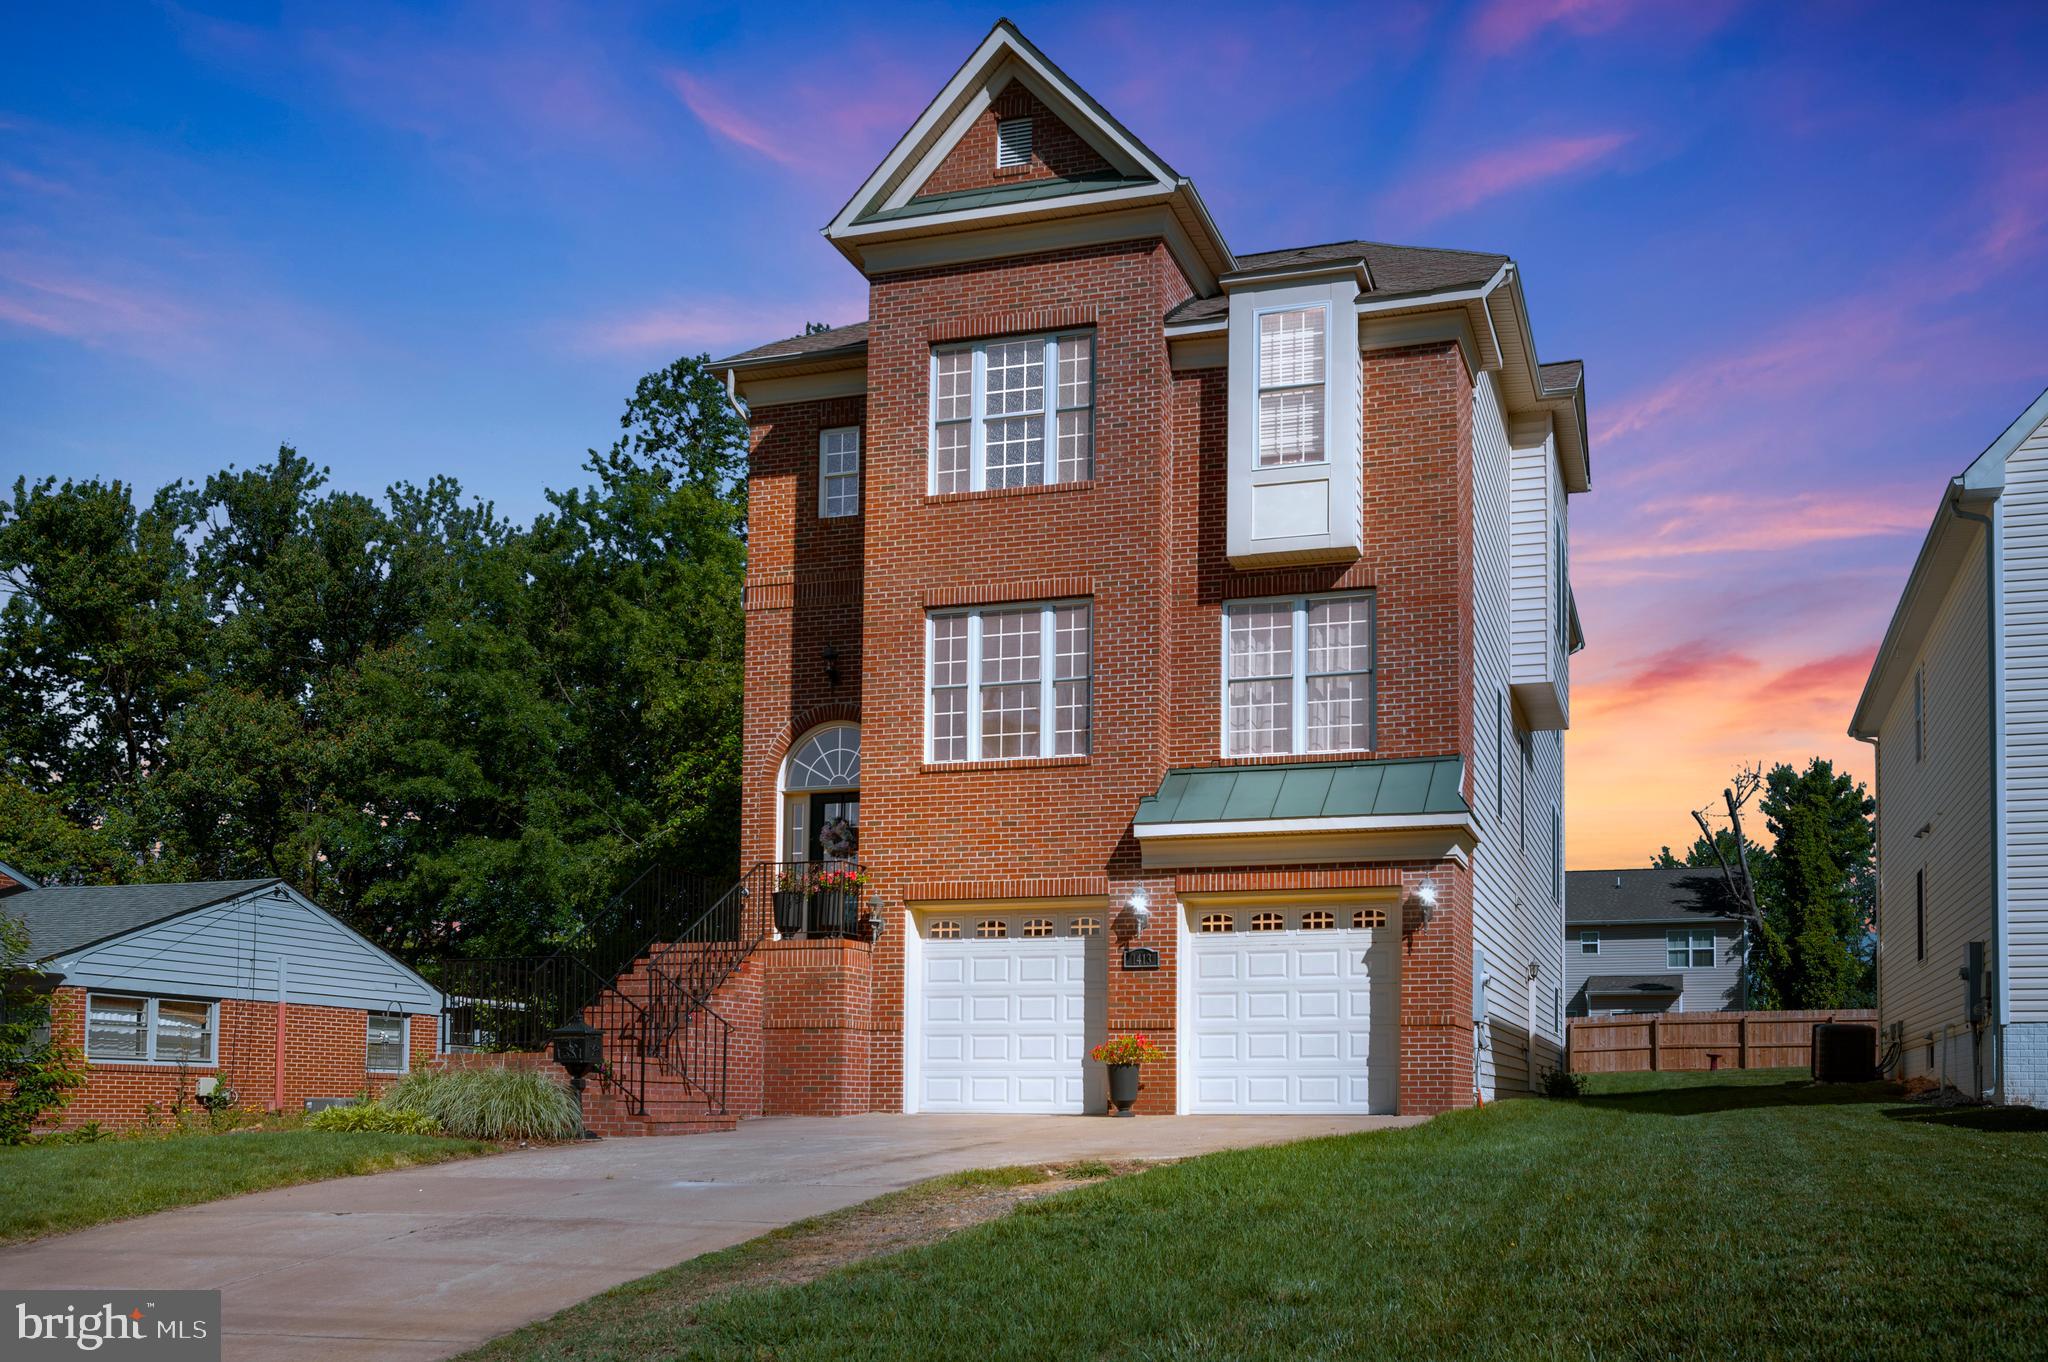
x=1018, y=412
x=2023, y=520
x=1298, y=675
x=1006, y=682
x=1689, y=948
x=1515, y=920
x=1589, y=941
x=839, y=472
x=386, y=1051
x=1712, y=976
x=1934, y=831
x=132, y=1030
x=1293, y=373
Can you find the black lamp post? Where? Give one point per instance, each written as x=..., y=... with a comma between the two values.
x=579, y=1048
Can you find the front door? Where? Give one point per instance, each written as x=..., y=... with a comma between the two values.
x=835, y=827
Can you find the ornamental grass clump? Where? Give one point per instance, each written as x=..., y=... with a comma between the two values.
x=490, y=1104
x=373, y=1118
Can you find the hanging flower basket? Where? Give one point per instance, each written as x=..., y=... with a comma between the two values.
x=836, y=910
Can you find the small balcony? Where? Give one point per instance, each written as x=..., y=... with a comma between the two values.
x=820, y=900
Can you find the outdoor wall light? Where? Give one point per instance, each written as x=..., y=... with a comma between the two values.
x=1140, y=905
x=1422, y=905
x=877, y=924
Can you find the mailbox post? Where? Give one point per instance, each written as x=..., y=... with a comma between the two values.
x=579, y=1048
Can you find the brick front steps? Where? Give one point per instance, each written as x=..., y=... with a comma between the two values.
x=673, y=1107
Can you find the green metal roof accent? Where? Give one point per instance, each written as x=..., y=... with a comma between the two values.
x=1323, y=789
x=1019, y=191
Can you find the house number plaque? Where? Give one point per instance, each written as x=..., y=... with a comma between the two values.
x=1141, y=957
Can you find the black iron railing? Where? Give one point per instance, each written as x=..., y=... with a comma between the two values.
x=646, y=976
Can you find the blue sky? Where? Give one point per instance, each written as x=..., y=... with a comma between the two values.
x=1801, y=249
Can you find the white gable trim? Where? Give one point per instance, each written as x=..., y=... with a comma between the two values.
x=942, y=122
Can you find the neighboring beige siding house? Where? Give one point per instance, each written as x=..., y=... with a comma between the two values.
x=1651, y=941
x=1957, y=708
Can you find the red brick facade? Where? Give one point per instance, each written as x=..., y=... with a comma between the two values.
x=1143, y=541
x=326, y=1054
x=1056, y=149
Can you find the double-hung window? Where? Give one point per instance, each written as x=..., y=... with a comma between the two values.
x=1589, y=941
x=839, y=471
x=386, y=1043
x=148, y=1030
x=1298, y=675
x=1009, y=681
x=1293, y=372
x=1013, y=413
x=1688, y=949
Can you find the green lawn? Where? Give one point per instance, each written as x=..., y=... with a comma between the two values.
x=1751, y=1215
x=47, y=1189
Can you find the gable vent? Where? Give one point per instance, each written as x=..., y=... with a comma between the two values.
x=1013, y=142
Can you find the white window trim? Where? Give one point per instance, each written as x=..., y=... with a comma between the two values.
x=1297, y=739
x=824, y=512
x=149, y=1013
x=1689, y=934
x=1003, y=145
x=1259, y=389
x=404, y=1043
x=977, y=419
x=1048, y=644
x=1589, y=936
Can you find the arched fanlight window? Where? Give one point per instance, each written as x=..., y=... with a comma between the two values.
x=828, y=760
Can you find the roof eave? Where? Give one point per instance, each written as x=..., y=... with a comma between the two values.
x=1902, y=636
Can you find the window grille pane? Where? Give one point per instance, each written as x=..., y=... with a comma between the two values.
x=1036, y=927
x=944, y=931
x=387, y=1042
x=1014, y=450
x=949, y=725
x=1009, y=646
x=1087, y=926
x=1015, y=381
x=951, y=469
x=1261, y=641
x=842, y=496
x=1318, y=921
x=1291, y=347
x=1340, y=635
x=992, y=929
x=1217, y=922
x=1261, y=717
x=1076, y=446
x=1267, y=922
x=1070, y=642
x=183, y=1032
x=1077, y=364
x=1338, y=711
x=1291, y=426
x=1368, y=917
x=1009, y=721
x=953, y=386
x=115, y=1028
x=949, y=650
x=1070, y=718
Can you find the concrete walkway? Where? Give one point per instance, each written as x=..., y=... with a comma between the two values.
x=428, y=1262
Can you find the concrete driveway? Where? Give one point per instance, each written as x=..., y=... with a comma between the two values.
x=427, y=1262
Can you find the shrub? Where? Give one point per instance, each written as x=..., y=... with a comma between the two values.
x=490, y=1104
x=373, y=1118
x=36, y=1077
x=1558, y=1083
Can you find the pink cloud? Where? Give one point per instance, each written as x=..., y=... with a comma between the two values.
x=1701, y=524
x=43, y=296
x=1488, y=176
x=720, y=117
x=1503, y=26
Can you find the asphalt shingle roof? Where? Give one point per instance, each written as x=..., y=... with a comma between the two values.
x=1395, y=270
x=63, y=918
x=1323, y=789
x=1596, y=896
x=1562, y=376
x=1658, y=985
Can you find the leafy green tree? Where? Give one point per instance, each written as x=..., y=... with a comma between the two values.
x=40, y=840
x=1818, y=916
x=37, y=1077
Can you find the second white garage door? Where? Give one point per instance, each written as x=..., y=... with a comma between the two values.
x=1003, y=1013
x=1293, y=1009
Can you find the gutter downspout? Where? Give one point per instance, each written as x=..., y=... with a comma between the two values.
x=1995, y=735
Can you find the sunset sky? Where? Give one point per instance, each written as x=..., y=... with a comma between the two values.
x=1800, y=248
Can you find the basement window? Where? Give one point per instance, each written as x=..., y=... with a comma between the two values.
x=1013, y=143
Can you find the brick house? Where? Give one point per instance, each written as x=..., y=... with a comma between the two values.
x=1177, y=639
x=171, y=989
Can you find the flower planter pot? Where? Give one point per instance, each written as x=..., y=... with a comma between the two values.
x=1123, y=1087
x=789, y=911
x=834, y=912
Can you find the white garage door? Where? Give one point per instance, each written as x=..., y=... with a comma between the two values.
x=1294, y=1010
x=1003, y=1012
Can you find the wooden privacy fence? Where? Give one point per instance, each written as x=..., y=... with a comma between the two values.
x=1698, y=1040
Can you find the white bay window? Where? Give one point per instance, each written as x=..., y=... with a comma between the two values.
x=1298, y=675
x=1009, y=682
x=1292, y=372
x=1018, y=412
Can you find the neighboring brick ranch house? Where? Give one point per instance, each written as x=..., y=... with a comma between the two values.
x=1110, y=589
x=244, y=982
x=1651, y=941
x=1957, y=709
